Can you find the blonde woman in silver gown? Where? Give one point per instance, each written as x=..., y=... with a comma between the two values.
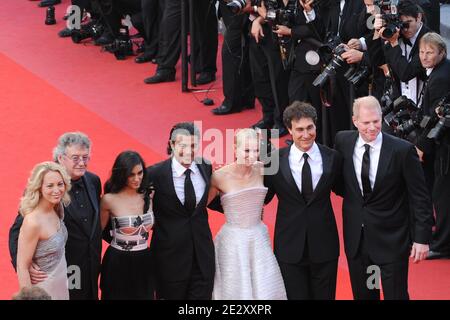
x=43, y=235
x=246, y=268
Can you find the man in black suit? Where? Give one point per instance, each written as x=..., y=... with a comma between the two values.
x=386, y=205
x=306, y=239
x=81, y=217
x=170, y=44
x=236, y=75
x=402, y=51
x=433, y=53
x=341, y=18
x=182, y=241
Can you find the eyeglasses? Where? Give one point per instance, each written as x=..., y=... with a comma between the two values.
x=77, y=159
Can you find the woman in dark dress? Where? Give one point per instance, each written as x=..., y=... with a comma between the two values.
x=127, y=265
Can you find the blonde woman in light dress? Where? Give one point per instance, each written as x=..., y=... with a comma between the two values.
x=43, y=235
x=246, y=268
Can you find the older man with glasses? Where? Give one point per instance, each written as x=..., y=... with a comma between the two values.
x=81, y=217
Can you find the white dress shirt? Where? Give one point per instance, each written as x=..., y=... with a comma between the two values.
x=374, y=154
x=296, y=164
x=179, y=177
x=412, y=88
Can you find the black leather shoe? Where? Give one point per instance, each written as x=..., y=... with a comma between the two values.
x=106, y=38
x=48, y=3
x=143, y=58
x=161, y=77
x=437, y=255
x=66, y=32
x=206, y=77
x=223, y=110
x=261, y=124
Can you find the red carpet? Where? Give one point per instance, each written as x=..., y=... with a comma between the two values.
x=49, y=85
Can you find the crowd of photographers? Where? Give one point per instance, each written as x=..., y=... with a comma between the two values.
x=325, y=52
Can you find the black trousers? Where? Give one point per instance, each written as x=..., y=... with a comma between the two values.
x=121, y=8
x=307, y=280
x=195, y=288
x=236, y=75
x=394, y=276
x=206, y=35
x=441, y=192
x=269, y=77
x=152, y=11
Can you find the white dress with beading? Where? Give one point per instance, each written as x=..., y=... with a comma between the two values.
x=246, y=268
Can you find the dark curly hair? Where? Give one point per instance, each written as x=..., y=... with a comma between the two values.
x=298, y=110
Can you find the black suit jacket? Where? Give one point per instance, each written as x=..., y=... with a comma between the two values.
x=404, y=69
x=298, y=221
x=177, y=235
x=397, y=212
x=438, y=85
x=348, y=27
x=301, y=31
x=83, y=246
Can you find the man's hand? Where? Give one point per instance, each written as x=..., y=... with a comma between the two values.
x=354, y=44
x=257, y=30
x=352, y=56
x=36, y=275
x=283, y=31
x=307, y=5
x=419, y=252
x=392, y=40
x=420, y=154
x=378, y=23
x=262, y=11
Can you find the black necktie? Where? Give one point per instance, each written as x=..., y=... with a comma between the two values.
x=189, y=192
x=407, y=42
x=307, y=186
x=365, y=168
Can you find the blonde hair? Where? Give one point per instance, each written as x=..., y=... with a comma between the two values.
x=436, y=40
x=368, y=101
x=33, y=195
x=244, y=135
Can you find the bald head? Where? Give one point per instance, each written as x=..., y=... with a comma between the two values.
x=368, y=102
x=367, y=117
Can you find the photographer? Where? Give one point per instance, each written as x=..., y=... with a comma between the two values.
x=401, y=50
x=433, y=53
x=341, y=18
x=306, y=67
x=269, y=76
x=169, y=50
x=236, y=75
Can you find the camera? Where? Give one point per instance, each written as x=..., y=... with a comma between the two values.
x=404, y=118
x=333, y=48
x=90, y=30
x=356, y=75
x=122, y=46
x=236, y=6
x=390, y=16
x=443, y=109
